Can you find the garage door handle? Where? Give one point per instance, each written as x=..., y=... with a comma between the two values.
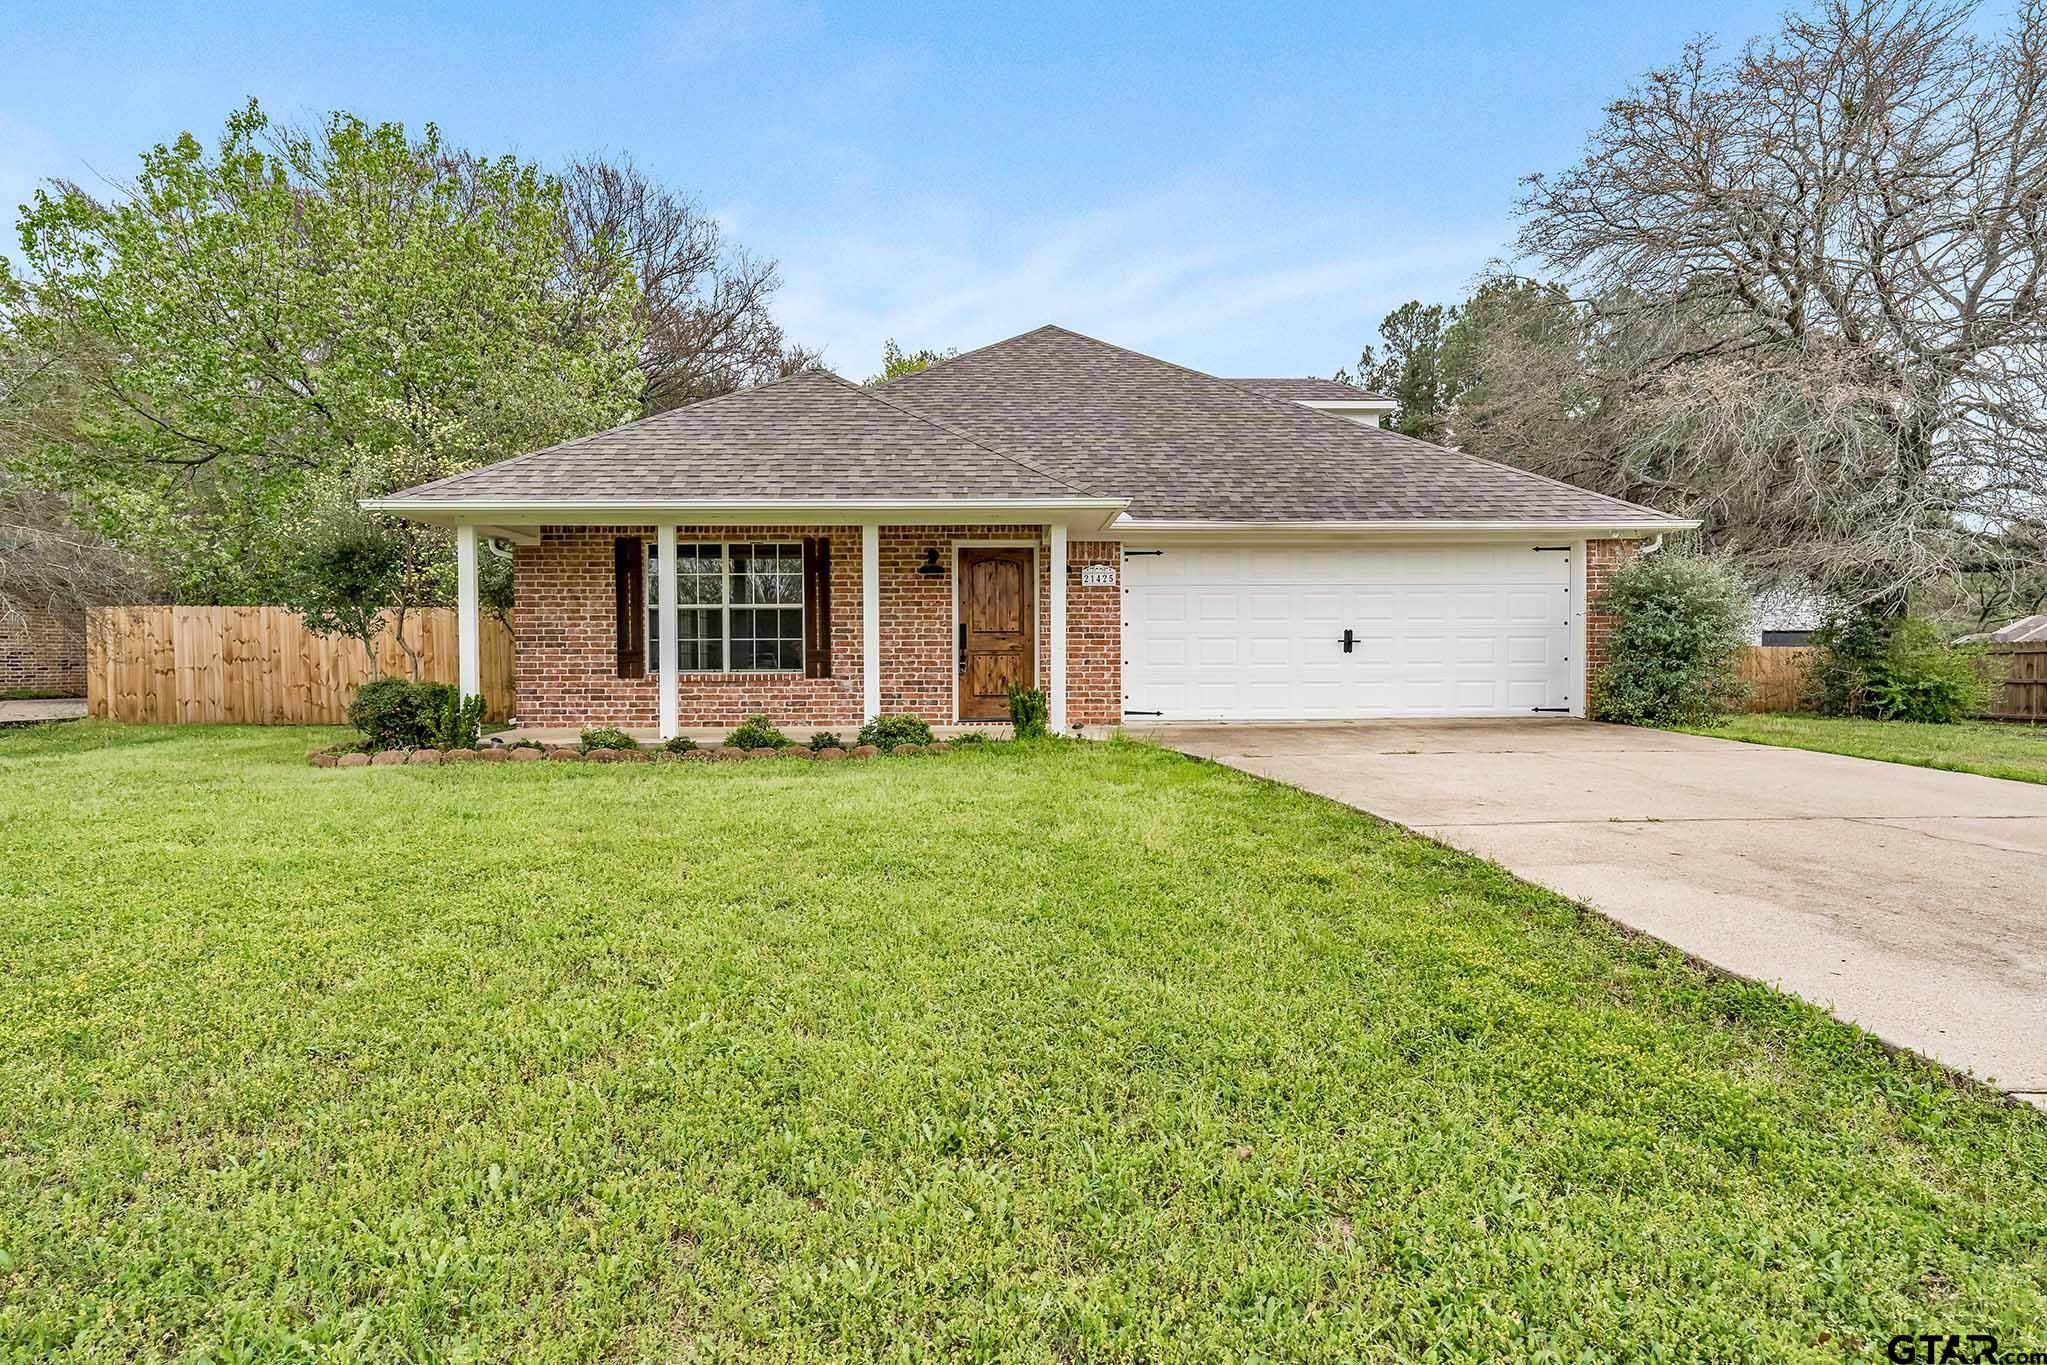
x=1349, y=640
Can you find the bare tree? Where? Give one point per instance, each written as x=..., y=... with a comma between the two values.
x=49, y=562
x=1812, y=274
x=704, y=302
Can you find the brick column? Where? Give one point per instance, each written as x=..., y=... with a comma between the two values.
x=1602, y=558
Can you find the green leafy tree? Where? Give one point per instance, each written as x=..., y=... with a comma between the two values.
x=293, y=308
x=345, y=575
x=417, y=560
x=1417, y=365
x=895, y=362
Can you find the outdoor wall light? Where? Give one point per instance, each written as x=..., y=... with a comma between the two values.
x=930, y=568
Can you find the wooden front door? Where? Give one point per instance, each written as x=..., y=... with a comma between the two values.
x=998, y=630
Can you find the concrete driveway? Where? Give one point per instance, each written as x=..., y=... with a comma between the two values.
x=1909, y=901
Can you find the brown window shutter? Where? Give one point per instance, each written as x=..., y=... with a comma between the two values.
x=817, y=606
x=629, y=569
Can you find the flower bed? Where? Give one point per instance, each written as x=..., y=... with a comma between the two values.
x=344, y=756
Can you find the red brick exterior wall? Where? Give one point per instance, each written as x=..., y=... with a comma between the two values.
x=1602, y=557
x=1094, y=636
x=562, y=619
x=42, y=651
x=919, y=650
x=566, y=635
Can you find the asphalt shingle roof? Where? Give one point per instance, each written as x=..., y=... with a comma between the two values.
x=813, y=436
x=1187, y=446
x=1048, y=415
x=1308, y=389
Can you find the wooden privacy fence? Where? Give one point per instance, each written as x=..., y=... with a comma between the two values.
x=261, y=666
x=1775, y=675
x=2024, y=696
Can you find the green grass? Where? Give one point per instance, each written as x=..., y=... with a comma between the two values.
x=2018, y=752
x=1063, y=1053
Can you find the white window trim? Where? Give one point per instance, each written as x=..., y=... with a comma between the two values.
x=724, y=610
x=952, y=638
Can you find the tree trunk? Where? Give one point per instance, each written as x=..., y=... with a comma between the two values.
x=413, y=661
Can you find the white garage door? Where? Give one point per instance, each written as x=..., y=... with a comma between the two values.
x=1257, y=632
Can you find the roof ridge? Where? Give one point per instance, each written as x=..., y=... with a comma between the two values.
x=1382, y=432
x=965, y=355
x=1286, y=403
x=1358, y=389
x=964, y=435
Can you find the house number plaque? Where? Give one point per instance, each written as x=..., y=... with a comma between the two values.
x=1098, y=576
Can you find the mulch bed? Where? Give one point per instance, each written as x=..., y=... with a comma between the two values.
x=570, y=753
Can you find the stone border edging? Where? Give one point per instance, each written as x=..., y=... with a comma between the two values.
x=570, y=753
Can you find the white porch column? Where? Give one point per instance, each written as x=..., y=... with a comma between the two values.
x=667, y=621
x=870, y=619
x=468, y=621
x=1057, y=701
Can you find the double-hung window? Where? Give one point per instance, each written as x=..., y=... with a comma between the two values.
x=739, y=606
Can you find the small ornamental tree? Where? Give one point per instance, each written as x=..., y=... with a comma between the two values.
x=1681, y=623
x=343, y=581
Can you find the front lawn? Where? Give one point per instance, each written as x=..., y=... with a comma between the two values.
x=2018, y=752
x=1074, y=1053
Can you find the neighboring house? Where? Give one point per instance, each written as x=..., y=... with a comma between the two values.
x=1141, y=539
x=42, y=652
x=2027, y=630
x=1327, y=395
x=1785, y=616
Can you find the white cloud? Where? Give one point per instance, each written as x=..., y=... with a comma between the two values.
x=1188, y=275
x=705, y=32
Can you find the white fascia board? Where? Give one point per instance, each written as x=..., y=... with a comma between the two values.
x=1381, y=406
x=1402, y=530
x=1093, y=513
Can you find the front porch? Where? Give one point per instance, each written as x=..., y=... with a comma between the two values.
x=707, y=737
x=686, y=628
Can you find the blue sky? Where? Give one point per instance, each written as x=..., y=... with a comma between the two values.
x=1242, y=188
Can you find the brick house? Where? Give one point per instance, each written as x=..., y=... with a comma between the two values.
x=42, y=652
x=1137, y=538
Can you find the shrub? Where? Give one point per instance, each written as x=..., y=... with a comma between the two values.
x=969, y=739
x=1028, y=710
x=1846, y=647
x=397, y=713
x=607, y=737
x=1893, y=668
x=886, y=732
x=457, y=723
x=1681, y=626
x=824, y=739
x=1919, y=678
x=755, y=732
x=681, y=744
